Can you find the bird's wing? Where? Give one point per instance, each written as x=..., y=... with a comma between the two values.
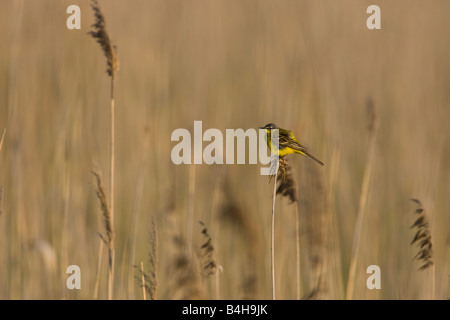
x=291, y=142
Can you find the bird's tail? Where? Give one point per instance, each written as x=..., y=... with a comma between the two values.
x=305, y=153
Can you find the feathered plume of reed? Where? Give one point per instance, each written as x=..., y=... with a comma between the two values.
x=422, y=239
x=100, y=34
x=207, y=253
x=208, y=259
x=107, y=216
x=101, y=194
x=149, y=281
x=287, y=187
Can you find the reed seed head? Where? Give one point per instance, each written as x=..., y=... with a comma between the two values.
x=100, y=34
x=207, y=253
x=101, y=194
x=287, y=186
x=422, y=238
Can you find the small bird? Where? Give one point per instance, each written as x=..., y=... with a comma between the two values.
x=287, y=143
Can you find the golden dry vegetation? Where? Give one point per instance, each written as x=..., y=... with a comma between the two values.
x=311, y=66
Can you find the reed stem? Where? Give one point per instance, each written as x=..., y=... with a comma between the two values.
x=111, y=249
x=272, y=243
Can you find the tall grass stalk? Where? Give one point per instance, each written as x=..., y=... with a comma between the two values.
x=1, y=187
x=297, y=253
x=1, y=198
x=190, y=218
x=3, y=138
x=143, y=281
x=272, y=240
x=101, y=35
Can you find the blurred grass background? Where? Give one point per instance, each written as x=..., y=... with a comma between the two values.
x=309, y=66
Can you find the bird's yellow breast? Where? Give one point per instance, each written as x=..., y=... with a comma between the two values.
x=281, y=152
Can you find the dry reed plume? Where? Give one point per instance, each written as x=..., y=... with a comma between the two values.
x=101, y=194
x=149, y=280
x=153, y=262
x=100, y=34
x=422, y=238
x=287, y=187
x=207, y=253
x=107, y=216
x=208, y=259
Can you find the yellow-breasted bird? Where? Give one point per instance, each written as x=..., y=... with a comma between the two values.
x=287, y=143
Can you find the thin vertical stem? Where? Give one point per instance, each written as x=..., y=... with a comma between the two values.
x=433, y=282
x=111, y=240
x=101, y=35
x=143, y=281
x=3, y=137
x=297, y=250
x=190, y=218
x=272, y=247
x=217, y=287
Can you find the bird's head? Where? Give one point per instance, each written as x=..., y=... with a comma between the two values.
x=269, y=127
